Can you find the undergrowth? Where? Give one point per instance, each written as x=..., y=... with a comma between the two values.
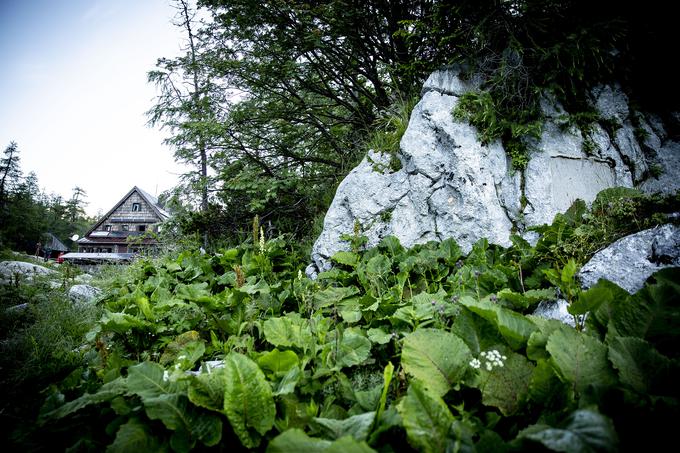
x=427, y=348
x=40, y=336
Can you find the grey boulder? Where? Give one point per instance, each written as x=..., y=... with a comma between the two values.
x=451, y=185
x=11, y=271
x=83, y=293
x=631, y=260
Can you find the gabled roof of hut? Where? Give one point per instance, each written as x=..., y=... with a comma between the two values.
x=152, y=201
x=53, y=243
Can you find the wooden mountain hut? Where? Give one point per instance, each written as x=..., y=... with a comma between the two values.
x=122, y=231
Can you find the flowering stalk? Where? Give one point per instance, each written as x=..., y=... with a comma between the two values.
x=263, y=247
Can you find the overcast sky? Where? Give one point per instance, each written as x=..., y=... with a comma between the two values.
x=73, y=93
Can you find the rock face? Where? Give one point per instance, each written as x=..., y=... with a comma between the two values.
x=11, y=270
x=630, y=261
x=83, y=293
x=450, y=185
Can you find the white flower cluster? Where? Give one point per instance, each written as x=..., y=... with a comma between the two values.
x=491, y=359
x=263, y=247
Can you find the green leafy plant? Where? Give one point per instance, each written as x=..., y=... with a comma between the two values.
x=425, y=346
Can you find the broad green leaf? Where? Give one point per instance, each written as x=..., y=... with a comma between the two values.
x=227, y=279
x=545, y=384
x=651, y=314
x=207, y=389
x=173, y=267
x=165, y=305
x=369, y=399
x=228, y=256
x=514, y=327
x=388, y=372
x=669, y=276
x=288, y=382
x=440, y=298
x=351, y=313
x=188, y=422
x=392, y=245
x=569, y=271
x=122, y=322
x=585, y=431
x=196, y=292
x=333, y=295
x=426, y=418
x=640, y=365
x=379, y=336
x=190, y=354
x=278, y=363
x=123, y=406
x=539, y=338
x=135, y=435
x=179, y=346
x=353, y=350
x=527, y=299
x=450, y=250
x=106, y=392
x=413, y=314
x=144, y=307
x=436, y=357
x=296, y=441
x=590, y=300
x=478, y=333
x=146, y=381
x=387, y=421
x=506, y=387
x=346, y=258
x=357, y=426
x=598, y=319
x=348, y=444
x=255, y=287
x=379, y=265
x=248, y=400
x=290, y=331
x=580, y=359
x=490, y=441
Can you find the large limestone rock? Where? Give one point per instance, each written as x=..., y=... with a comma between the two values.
x=450, y=185
x=13, y=271
x=630, y=261
x=83, y=293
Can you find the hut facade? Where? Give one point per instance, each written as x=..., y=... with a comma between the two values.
x=124, y=229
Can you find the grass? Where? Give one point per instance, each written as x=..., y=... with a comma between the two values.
x=389, y=128
x=41, y=333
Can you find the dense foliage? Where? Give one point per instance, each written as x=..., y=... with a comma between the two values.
x=27, y=213
x=393, y=349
